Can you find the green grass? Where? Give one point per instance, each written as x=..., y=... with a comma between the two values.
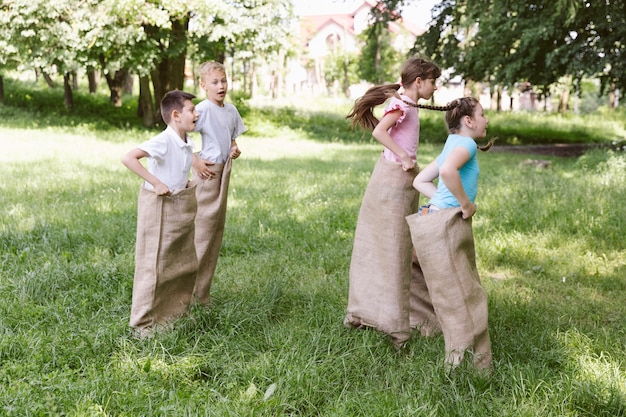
x=550, y=247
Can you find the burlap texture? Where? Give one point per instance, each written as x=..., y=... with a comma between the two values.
x=381, y=267
x=212, y=195
x=444, y=244
x=165, y=257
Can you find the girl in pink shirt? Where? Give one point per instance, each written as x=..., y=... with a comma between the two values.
x=387, y=290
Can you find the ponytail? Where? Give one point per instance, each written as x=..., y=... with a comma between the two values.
x=362, y=113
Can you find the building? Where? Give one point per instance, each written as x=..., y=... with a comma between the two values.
x=336, y=29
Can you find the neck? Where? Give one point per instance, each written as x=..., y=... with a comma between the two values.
x=217, y=103
x=182, y=134
x=466, y=131
x=412, y=94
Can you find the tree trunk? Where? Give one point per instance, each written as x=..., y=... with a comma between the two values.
x=145, y=109
x=1, y=89
x=68, y=96
x=378, y=59
x=612, y=97
x=115, y=83
x=127, y=84
x=563, y=101
x=91, y=79
x=169, y=73
x=280, y=68
x=49, y=80
x=252, y=78
x=346, y=76
x=74, y=81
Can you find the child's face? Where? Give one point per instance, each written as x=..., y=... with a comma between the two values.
x=479, y=122
x=215, y=84
x=426, y=87
x=187, y=118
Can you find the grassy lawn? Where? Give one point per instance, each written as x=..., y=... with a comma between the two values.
x=550, y=246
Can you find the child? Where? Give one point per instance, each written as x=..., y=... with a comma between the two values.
x=219, y=124
x=442, y=236
x=386, y=290
x=165, y=258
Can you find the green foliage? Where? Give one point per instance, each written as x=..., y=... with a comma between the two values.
x=550, y=250
x=540, y=42
x=341, y=68
x=36, y=106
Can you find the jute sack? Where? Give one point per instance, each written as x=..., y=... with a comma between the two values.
x=165, y=258
x=380, y=268
x=444, y=244
x=212, y=195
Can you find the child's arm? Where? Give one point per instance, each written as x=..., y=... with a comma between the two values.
x=424, y=180
x=381, y=133
x=131, y=160
x=201, y=166
x=234, y=150
x=449, y=173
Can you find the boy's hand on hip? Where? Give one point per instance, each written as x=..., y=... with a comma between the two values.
x=204, y=170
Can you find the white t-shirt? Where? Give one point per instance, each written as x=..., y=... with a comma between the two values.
x=219, y=126
x=170, y=159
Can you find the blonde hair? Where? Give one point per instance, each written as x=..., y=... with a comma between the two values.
x=209, y=66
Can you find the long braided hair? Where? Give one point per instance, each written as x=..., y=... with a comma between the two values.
x=362, y=113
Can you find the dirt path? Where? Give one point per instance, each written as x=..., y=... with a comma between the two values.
x=563, y=150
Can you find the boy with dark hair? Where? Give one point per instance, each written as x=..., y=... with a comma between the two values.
x=165, y=258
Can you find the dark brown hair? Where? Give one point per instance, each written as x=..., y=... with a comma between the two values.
x=362, y=112
x=457, y=110
x=173, y=100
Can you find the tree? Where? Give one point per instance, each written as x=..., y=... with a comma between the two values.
x=505, y=42
x=379, y=59
x=9, y=59
x=48, y=36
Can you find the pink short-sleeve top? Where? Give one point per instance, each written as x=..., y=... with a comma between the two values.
x=406, y=131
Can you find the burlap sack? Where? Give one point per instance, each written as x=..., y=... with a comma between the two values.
x=165, y=258
x=444, y=244
x=381, y=266
x=212, y=195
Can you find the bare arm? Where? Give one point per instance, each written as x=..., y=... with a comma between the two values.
x=382, y=135
x=424, y=180
x=450, y=176
x=234, y=150
x=131, y=160
x=201, y=166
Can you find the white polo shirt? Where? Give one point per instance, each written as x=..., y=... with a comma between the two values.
x=170, y=159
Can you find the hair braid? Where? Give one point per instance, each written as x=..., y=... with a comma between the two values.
x=488, y=146
x=447, y=107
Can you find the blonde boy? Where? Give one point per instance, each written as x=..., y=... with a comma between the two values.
x=219, y=124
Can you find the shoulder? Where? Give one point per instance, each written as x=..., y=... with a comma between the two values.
x=202, y=106
x=401, y=103
x=463, y=142
x=398, y=106
x=230, y=108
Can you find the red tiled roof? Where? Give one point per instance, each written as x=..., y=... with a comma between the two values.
x=310, y=25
